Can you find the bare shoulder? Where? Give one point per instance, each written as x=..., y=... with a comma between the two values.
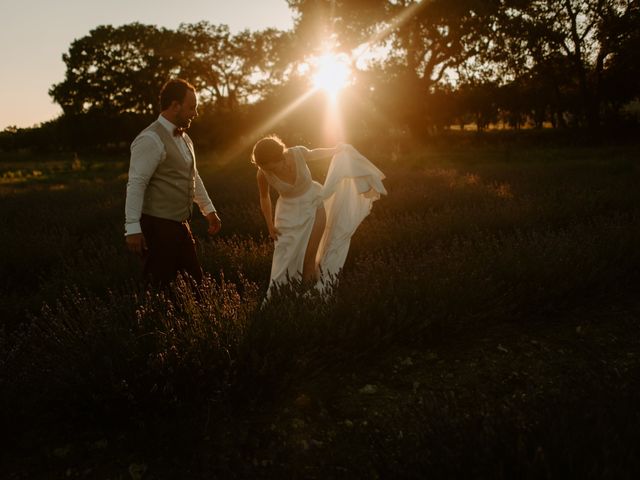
x=290, y=156
x=298, y=149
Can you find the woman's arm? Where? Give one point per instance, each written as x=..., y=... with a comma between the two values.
x=265, y=204
x=320, y=153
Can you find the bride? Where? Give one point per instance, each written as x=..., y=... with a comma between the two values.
x=313, y=224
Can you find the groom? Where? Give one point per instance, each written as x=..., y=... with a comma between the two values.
x=163, y=184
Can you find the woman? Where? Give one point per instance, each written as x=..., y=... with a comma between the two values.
x=313, y=224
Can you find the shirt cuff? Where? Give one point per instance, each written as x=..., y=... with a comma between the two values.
x=209, y=209
x=132, y=228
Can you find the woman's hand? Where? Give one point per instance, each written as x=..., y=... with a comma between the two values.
x=274, y=233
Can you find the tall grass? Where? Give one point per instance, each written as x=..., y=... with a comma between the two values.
x=465, y=237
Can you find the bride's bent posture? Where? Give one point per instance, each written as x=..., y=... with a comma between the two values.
x=313, y=223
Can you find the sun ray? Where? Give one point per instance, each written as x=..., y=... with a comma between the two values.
x=250, y=138
x=332, y=74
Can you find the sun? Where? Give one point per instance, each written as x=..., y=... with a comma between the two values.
x=330, y=72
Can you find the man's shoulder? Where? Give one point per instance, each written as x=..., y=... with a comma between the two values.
x=149, y=135
x=153, y=127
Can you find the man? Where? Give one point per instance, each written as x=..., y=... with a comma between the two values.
x=163, y=184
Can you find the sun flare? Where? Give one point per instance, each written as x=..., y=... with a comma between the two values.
x=331, y=72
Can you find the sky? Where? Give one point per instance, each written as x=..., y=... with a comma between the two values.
x=35, y=34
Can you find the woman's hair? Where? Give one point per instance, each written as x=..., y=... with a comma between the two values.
x=174, y=90
x=266, y=150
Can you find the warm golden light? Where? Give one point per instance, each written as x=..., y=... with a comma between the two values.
x=331, y=72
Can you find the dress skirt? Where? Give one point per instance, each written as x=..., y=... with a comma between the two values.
x=294, y=218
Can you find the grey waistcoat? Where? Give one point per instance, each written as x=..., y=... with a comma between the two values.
x=171, y=190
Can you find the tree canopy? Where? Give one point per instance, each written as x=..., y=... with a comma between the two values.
x=425, y=65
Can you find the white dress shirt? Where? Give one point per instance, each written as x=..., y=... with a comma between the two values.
x=147, y=152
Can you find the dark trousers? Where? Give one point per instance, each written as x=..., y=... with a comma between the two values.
x=171, y=249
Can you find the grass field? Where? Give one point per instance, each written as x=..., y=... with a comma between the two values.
x=486, y=325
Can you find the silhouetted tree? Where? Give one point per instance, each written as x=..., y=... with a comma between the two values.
x=230, y=70
x=114, y=76
x=621, y=76
x=119, y=69
x=437, y=62
x=422, y=41
x=564, y=36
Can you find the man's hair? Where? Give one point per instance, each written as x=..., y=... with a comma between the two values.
x=267, y=150
x=174, y=90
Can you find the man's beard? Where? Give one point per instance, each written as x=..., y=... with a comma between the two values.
x=184, y=123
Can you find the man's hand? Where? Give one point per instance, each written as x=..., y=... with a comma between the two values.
x=214, y=223
x=136, y=243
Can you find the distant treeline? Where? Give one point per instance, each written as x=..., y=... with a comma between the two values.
x=419, y=68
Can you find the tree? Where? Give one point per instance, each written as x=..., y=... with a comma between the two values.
x=621, y=76
x=423, y=41
x=115, y=70
x=581, y=34
x=229, y=70
x=338, y=24
x=114, y=76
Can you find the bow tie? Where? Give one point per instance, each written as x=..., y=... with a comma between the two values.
x=177, y=132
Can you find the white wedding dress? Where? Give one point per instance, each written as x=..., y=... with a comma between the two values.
x=352, y=184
